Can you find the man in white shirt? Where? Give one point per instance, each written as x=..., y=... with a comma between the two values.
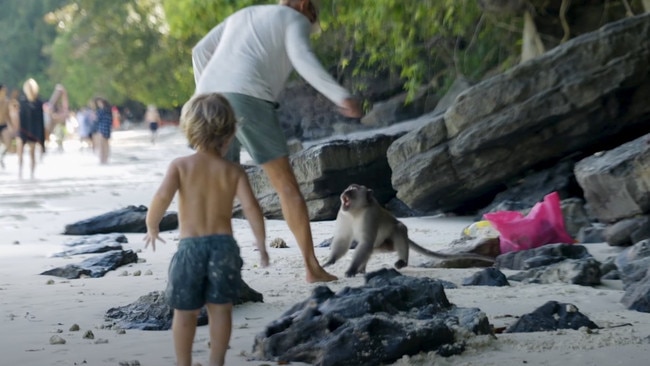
x=248, y=58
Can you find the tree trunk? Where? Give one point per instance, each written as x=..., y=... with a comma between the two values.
x=532, y=43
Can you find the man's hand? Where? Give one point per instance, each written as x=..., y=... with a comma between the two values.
x=351, y=108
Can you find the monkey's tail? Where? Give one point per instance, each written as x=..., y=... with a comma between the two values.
x=415, y=246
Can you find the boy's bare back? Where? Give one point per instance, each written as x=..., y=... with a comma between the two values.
x=207, y=185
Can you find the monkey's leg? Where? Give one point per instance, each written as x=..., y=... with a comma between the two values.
x=361, y=256
x=401, y=245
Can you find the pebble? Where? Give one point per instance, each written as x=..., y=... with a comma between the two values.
x=137, y=273
x=89, y=335
x=55, y=339
x=74, y=328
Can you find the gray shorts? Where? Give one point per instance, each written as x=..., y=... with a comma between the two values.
x=258, y=129
x=204, y=270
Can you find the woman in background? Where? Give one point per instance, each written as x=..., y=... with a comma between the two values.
x=104, y=126
x=32, y=125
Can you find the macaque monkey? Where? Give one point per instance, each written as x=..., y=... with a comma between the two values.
x=363, y=220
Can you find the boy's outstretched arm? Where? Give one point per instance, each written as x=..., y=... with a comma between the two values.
x=159, y=204
x=253, y=214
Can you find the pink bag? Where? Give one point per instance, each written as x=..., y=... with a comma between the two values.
x=544, y=224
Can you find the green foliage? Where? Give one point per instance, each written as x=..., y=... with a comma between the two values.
x=418, y=40
x=191, y=19
x=119, y=50
x=141, y=49
x=23, y=41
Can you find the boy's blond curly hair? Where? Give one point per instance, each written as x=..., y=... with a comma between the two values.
x=208, y=121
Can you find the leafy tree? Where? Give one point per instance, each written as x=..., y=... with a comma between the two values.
x=24, y=41
x=119, y=50
x=416, y=40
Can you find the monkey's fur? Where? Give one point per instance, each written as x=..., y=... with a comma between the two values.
x=363, y=220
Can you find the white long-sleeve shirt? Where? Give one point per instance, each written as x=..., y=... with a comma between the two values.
x=254, y=50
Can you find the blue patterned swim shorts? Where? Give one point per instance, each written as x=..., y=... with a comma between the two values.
x=204, y=270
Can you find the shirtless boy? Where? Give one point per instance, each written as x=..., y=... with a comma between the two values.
x=207, y=185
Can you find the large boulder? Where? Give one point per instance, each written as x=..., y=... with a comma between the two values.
x=326, y=167
x=616, y=183
x=588, y=94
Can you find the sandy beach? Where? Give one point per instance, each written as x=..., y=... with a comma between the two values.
x=72, y=186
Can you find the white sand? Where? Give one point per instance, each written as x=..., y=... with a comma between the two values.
x=71, y=186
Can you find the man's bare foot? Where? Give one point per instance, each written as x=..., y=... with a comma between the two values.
x=320, y=275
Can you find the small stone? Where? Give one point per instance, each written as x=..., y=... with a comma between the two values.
x=55, y=339
x=130, y=363
x=278, y=243
x=59, y=330
x=124, y=274
x=89, y=335
x=121, y=331
x=101, y=341
x=50, y=282
x=16, y=242
x=137, y=273
x=148, y=273
x=74, y=328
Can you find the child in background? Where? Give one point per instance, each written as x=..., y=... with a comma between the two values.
x=206, y=268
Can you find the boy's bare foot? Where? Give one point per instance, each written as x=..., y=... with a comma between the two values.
x=319, y=275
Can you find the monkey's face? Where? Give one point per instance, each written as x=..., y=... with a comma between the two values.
x=355, y=196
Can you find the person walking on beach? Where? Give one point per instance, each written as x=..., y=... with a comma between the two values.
x=206, y=268
x=152, y=117
x=104, y=127
x=31, y=125
x=6, y=125
x=248, y=57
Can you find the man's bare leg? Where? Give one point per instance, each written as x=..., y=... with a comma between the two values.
x=220, y=323
x=183, y=330
x=294, y=210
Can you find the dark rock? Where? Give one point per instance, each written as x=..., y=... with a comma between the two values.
x=391, y=316
x=96, y=266
x=634, y=266
x=126, y=220
x=634, y=272
x=99, y=243
x=638, y=251
x=609, y=270
x=595, y=233
x=628, y=231
x=150, y=312
x=541, y=256
x=615, y=182
x=397, y=109
x=587, y=94
x=524, y=192
x=97, y=239
x=552, y=316
x=487, y=277
x=584, y=272
x=637, y=295
x=326, y=167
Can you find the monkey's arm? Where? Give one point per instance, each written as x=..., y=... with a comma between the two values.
x=341, y=241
